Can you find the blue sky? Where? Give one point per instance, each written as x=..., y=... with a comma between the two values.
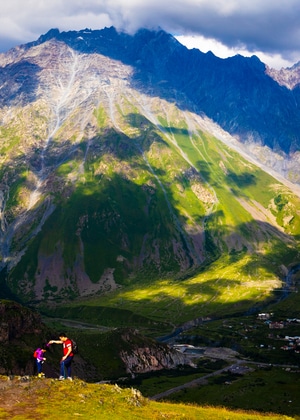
x=268, y=28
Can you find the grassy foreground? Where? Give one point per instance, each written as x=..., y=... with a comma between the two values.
x=36, y=398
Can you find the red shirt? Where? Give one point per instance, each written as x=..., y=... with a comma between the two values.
x=66, y=345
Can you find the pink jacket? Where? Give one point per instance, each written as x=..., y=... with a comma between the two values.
x=39, y=354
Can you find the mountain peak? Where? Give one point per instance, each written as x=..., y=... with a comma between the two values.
x=209, y=83
x=52, y=33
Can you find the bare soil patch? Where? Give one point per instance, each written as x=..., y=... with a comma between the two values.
x=18, y=397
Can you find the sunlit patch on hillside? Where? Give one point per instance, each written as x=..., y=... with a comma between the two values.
x=224, y=287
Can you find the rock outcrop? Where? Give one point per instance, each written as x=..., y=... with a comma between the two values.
x=21, y=331
x=150, y=356
x=16, y=320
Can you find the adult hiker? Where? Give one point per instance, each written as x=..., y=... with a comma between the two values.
x=66, y=360
x=39, y=357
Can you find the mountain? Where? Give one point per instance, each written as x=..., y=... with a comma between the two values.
x=116, y=170
x=242, y=95
x=288, y=77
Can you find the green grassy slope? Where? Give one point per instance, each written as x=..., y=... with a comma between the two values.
x=37, y=398
x=151, y=208
x=157, y=202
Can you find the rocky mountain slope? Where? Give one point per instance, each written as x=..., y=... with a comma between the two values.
x=288, y=77
x=111, y=172
x=242, y=95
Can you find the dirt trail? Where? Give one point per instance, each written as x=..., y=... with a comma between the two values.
x=80, y=325
x=199, y=381
x=17, y=397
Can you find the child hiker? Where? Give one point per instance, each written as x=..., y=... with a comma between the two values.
x=39, y=357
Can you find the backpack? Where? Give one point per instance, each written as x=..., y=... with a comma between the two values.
x=35, y=354
x=74, y=346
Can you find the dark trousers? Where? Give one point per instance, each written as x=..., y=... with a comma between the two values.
x=65, y=365
x=39, y=365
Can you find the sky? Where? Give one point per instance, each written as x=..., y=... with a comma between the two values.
x=269, y=29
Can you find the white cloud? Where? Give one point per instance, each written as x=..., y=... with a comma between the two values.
x=222, y=51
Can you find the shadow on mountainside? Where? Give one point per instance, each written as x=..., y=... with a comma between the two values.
x=235, y=92
x=19, y=83
x=103, y=203
x=241, y=180
x=111, y=215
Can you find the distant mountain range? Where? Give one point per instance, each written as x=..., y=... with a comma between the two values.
x=112, y=168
